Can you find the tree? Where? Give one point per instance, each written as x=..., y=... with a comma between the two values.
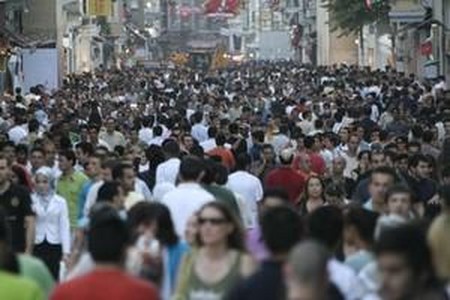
x=350, y=16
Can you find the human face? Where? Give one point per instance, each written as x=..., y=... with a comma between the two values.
x=353, y=144
x=422, y=170
x=4, y=171
x=128, y=179
x=10, y=153
x=93, y=135
x=93, y=167
x=402, y=165
x=42, y=184
x=50, y=153
x=315, y=188
x=352, y=241
x=214, y=228
x=378, y=186
x=188, y=142
x=338, y=166
x=400, y=204
x=64, y=164
x=110, y=126
x=107, y=174
x=37, y=159
x=344, y=135
x=397, y=278
x=22, y=157
x=268, y=154
x=378, y=160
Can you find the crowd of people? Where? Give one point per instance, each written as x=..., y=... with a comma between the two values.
x=269, y=180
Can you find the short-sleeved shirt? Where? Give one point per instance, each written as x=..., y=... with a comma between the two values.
x=16, y=202
x=15, y=287
x=70, y=187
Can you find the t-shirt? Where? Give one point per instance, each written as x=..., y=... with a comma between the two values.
x=105, y=285
x=16, y=202
x=70, y=187
x=13, y=287
x=35, y=270
x=287, y=179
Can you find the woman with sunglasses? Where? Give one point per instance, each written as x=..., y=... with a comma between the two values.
x=219, y=261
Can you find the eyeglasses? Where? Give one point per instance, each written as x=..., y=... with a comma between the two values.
x=212, y=221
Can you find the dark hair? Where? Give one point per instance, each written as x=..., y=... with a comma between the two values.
x=444, y=194
x=85, y=147
x=243, y=160
x=276, y=192
x=171, y=148
x=364, y=222
x=69, y=155
x=427, y=136
x=236, y=238
x=416, y=159
x=118, y=170
x=149, y=212
x=409, y=241
x=309, y=141
x=107, y=236
x=212, y=132
x=154, y=155
x=22, y=176
x=157, y=130
x=281, y=229
x=220, y=139
x=383, y=171
x=21, y=148
x=305, y=195
x=325, y=225
x=191, y=168
x=108, y=191
x=400, y=189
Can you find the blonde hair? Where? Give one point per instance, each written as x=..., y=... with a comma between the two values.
x=439, y=242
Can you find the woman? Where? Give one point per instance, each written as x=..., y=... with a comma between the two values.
x=158, y=251
x=314, y=195
x=363, y=168
x=219, y=262
x=20, y=177
x=52, y=241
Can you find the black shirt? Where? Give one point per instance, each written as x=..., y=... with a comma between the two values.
x=16, y=202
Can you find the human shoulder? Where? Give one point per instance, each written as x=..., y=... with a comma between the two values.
x=248, y=265
x=18, y=287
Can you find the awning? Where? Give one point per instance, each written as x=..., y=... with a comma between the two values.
x=23, y=41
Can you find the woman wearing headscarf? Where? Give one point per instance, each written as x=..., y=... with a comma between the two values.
x=52, y=241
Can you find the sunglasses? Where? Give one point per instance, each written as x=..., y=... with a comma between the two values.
x=212, y=221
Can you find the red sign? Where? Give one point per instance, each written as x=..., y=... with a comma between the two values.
x=426, y=48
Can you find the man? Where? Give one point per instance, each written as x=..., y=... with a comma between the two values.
x=351, y=155
x=309, y=278
x=157, y=138
x=108, y=239
x=399, y=201
x=16, y=202
x=282, y=229
x=145, y=134
x=427, y=148
x=94, y=138
x=268, y=162
x=125, y=175
x=286, y=178
x=83, y=151
x=188, y=197
x=70, y=183
x=418, y=178
x=93, y=171
x=112, y=137
x=37, y=159
x=210, y=143
x=404, y=264
x=199, y=131
x=381, y=180
x=281, y=140
x=329, y=234
x=13, y=286
x=246, y=185
x=337, y=176
x=226, y=155
x=18, y=133
x=168, y=170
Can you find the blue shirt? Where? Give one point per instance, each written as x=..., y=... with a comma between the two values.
x=83, y=197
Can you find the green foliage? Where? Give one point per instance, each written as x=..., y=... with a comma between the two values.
x=350, y=16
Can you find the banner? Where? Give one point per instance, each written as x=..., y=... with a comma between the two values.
x=99, y=8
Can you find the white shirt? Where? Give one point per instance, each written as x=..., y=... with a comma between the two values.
x=145, y=135
x=168, y=171
x=157, y=140
x=17, y=134
x=208, y=145
x=52, y=223
x=91, y=197
x=183, y=202
x=249, y=187
x=161, y=189
x=345, y=280
x=141, y=187
x=199, y=132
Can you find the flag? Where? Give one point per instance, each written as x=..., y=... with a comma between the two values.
x=100, y=8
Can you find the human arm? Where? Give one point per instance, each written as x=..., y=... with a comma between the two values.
x=64, y=228
x=30, y=233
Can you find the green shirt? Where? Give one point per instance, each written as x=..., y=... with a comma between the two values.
x=69, y=187
x=13, y=287
x=35, y=270
x=224, y=195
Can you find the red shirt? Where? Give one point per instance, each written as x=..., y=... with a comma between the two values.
x=105, y=285
x=318, y=165
x=288, y=179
